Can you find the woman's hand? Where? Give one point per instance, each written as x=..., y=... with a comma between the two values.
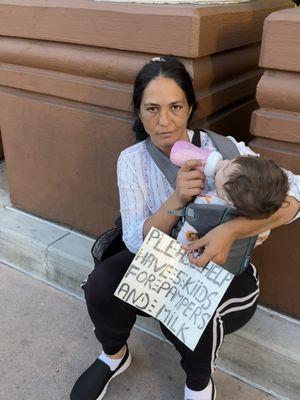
x=190, y=181
x=214, y=246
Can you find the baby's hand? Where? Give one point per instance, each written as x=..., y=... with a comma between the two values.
x=191, y=235
x=214, y=246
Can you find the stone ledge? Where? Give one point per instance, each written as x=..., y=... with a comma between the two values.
x=46, y=251
x=190, y=30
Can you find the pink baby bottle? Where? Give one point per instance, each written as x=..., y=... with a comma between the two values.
x=183, y=151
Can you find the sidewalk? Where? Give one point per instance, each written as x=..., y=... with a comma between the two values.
x=47, y=340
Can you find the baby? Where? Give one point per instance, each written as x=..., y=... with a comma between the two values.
x=257, y=187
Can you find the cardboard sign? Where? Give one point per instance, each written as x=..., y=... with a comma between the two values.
x=161, y=282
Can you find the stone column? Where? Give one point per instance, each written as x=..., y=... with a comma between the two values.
x=276, y=125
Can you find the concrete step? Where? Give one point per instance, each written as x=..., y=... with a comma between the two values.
x=45, y=250
x=265, y=353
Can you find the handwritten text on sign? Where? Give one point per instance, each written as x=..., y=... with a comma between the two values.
x=162, y=282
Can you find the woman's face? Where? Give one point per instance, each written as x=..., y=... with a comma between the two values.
x=164, y=113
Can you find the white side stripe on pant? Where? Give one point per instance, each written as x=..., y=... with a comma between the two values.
x=255, y=274
x=241, y=307
x=216, y=353
x=235, y=305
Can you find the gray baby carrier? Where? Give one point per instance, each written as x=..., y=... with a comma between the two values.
x=203, y=217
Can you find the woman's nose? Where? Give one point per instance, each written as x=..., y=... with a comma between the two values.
x=164, y=118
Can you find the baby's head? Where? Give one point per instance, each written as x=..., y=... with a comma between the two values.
x=257, y=187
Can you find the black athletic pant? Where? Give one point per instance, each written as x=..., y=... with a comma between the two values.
x=113, y=318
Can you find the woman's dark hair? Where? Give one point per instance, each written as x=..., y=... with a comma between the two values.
x=168, y=67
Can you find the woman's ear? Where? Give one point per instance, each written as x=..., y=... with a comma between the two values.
x=190, y=110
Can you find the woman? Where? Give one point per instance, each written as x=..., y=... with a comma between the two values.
x=164, y=102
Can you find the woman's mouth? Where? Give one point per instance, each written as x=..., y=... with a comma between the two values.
x=166, y=133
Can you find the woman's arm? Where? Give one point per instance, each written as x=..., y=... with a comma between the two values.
x=132, y=194
x=217, y=243
x=161, y=219
x=136, y=217
x=244, y=227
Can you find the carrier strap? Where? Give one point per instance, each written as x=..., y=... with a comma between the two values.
x=163, y=162
x=224, y=145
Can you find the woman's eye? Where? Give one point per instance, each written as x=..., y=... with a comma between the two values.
x=176, y=107
x=152, y=109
